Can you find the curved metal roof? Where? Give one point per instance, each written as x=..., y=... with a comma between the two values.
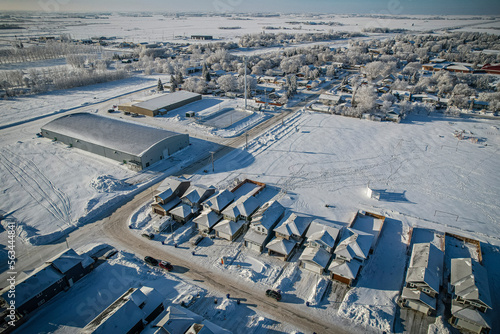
x=127, y=137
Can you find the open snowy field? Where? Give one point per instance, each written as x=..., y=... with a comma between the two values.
x=156, y=27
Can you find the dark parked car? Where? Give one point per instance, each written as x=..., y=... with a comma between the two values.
x=111, y=110
x=151, y=261
x=149, y=236
x=273, y=294
x=166, y=265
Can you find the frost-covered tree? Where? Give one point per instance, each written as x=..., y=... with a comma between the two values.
x=291, y=85
x=228, y=83
x=365, y=97
x=173, y=84
x=251, y=84
x=196, y=85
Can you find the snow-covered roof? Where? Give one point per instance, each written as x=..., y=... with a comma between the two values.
x=317, y=255
x=330, y=97
x=150, y=296
x=418, y=295
x=221, y=200
x=183, y=210
x=198, y=193
x=171, y=204
x=244, y=206
x=469, y=313
x=113, y=133
x=229, y=227
x=165, y=195
x=347, y=269
x=268, y=214
x=156, y=102
x=178, y=184
x=426, y=265
x=281, y=246
x=32, y=285
x=293, y=225
x=206, y=327
x=178, y=320
x=255, y=237
x=354, y=243
x=470, y=280
x=324, y=231
x=66, y=260
x=207, y=218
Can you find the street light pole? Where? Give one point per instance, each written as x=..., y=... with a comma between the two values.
x=212, y=153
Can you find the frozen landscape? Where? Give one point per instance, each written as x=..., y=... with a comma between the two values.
x=413, y=135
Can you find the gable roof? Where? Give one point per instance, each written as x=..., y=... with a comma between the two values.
x=419, y=296
x=66, y=260
x=426, y=265
x=198, y=193
x=207, y=218
x=221, y=200
x=268, y=215
x=281, y=246
x=319, y=256
x=323, y=231
x=183, y=210
x=32, y=285
x=354, y=243
x=293, y=224
x=178, y=185
x=470, y=280
x=347, y=269
x=178, y=320
x=469, y=313
x=244, y=206
x=229, y=226
x=166, y=195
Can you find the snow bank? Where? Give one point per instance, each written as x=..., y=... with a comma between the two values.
x=318, y=291
x=108, y=184
x=439, y=327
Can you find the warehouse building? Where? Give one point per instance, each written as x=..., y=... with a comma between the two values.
x=138, y=146
x=160, y=104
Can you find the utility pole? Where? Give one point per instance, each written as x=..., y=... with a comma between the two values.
x=212, y=153
x=245, y=58
x=246, y=140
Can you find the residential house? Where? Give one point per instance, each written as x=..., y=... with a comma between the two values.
x=282, y=248
x=423, y=278
x=196, y=194
x=168, y=195
x=262, y=224
x=344, y=271
x=329, y=99
x=183, y=213
x=354, y=244
x=322, y=234
x=220, y=201
x=69, y=264
x=129, y=313
x=315, y=259
x=243, y=208
x=206, y=221
x=293, y=227
x=181, y=320
x=470, y=291
x=230, y=229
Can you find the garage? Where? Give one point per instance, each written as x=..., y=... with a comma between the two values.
x=312, y=267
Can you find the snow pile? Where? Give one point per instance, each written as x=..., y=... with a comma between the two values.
x=226, y=308
x=141, y=217
x=288, y=277
x=108, y=184
x=368, y=314
x=439, y=327
x=318, y=291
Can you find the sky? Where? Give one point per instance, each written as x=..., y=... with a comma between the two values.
x=395, y=7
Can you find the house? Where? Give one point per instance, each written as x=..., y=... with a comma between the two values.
x=129, y=313
x=206, y=221
x=354, y=244
x=177, y=320
x=243, y=208
x=206, y=327
x=164, y=209
x=315, y=259
x=69, y=264
x=322, y=234
x=417, y=300
x=263, y=221
x=219, y=201
x=329, y=99
x=393, y=115
x=177, y=185
x=182, y=213
x=426, y=269
x=344, y=271
x=196, y=194
x=469, y=288
x=282, y=248
x=168, y=193
x=230, y=229
x=469, y=284
x=247, y=188
x=36, y=289
x=293, y=227
x=491, y=68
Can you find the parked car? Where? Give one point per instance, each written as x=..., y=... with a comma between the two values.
x=198, y=240
x=110, y=253
x=273, y=294
x=111, y=110
x=126, y=113
x=151, y=261
x=166, y=265
x=149, y=236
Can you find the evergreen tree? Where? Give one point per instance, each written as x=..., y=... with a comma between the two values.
x=173, y=84
x=179, y=79
x=159, y=88
x=205, y=74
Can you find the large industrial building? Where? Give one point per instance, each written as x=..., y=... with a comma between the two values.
x=137, y=145
x=160, y=104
